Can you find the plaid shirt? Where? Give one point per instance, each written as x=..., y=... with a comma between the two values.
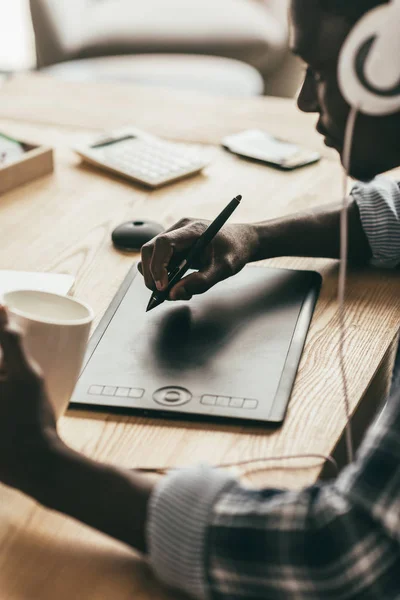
x=213, y=538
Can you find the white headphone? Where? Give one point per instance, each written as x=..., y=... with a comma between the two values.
x=369, y=62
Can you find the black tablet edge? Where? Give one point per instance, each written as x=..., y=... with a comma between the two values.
x=106, y=319
x=293, y=357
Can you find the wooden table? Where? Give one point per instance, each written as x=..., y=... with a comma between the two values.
x=63, y=223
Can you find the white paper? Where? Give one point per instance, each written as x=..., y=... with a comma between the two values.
x=44, y=282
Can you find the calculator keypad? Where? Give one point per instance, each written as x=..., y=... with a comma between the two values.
x=153, y=161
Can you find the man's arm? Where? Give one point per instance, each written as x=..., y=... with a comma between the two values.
x=34, y=460
x=315, y=233
x=374, y=236
x=111, y=500
x=374, y=228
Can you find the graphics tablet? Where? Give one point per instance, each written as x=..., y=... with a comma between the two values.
x=229, y=354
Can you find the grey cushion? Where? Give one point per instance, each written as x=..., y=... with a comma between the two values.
x=192, y=72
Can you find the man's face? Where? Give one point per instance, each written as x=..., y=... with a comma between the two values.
x=317, y=38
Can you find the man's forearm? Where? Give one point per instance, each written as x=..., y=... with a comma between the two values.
x=315, y=233
x=111, y=500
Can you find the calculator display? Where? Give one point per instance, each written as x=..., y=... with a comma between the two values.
x=111, y=141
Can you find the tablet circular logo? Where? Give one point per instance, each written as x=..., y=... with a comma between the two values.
x=172, y=396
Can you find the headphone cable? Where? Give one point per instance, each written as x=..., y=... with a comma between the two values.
x=344, y=234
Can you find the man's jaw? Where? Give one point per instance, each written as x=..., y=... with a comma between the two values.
x=329, y=140
x=358, y=171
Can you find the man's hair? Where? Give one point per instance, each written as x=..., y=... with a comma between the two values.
x=351, y=9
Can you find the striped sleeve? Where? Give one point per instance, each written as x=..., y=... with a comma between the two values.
x=379, y=206
x=179, y=517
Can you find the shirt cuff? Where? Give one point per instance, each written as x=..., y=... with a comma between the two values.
x=379, y=206
x=179, y=516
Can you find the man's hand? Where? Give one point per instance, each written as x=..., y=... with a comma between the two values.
x=27, y=420
x=231, y=249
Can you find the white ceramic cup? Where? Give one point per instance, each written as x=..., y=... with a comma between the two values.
x=56, y=331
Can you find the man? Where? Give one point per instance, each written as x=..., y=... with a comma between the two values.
x=204, y=532
x=375, y=150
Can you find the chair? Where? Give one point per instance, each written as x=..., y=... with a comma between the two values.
x=150, y=38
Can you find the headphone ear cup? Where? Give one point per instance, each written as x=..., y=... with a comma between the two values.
x=355, y=82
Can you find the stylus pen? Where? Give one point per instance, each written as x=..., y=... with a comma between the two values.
x=201, y=243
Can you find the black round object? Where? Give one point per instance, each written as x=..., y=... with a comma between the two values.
x=132, y=235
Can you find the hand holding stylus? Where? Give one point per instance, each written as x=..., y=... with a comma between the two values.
x=228, y=252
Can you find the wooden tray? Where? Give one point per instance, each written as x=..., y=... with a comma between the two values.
x=35, y=162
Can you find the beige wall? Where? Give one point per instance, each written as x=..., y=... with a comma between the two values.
x=17, y=50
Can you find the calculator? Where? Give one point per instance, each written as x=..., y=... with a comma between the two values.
x=144, y=158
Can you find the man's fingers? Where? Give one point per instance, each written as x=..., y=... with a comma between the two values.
x=158, y=253
x=14, y=357
x=163, y=252
x=144, y=265
x=196, y=283
x=17, y=361
x=204, y=279
x=3, y=317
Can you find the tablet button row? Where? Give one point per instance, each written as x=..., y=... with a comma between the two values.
x=250, y=404
x=111, y=390
x=227, y=401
